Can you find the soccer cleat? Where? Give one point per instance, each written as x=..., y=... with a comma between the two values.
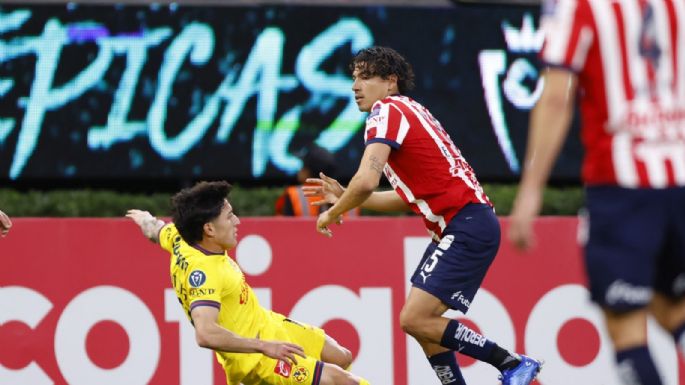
x=523, y=374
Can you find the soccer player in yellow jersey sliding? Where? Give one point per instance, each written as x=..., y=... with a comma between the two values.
x=255, y=346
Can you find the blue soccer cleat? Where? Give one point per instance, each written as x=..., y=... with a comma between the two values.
x=523, y=374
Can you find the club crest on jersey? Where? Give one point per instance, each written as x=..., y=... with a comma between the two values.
x=283, y=369
x=300, y=374
x=197, y=278
x=648, y=45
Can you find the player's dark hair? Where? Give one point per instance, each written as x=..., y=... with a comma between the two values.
x=383, y=62
x=192, y=207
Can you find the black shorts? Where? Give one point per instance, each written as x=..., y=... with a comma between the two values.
x=635, y=245
x=453, y=269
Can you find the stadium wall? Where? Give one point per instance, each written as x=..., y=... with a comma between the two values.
x=89, y=301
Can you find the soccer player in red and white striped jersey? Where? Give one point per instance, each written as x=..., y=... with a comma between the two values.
x=431, y=177
x=624, y=61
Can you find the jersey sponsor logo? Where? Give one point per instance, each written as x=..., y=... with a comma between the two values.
x=445, y=374
x=194, y=292
x=283, y=369
x=197, y=278
x=623, y=292
x=463, y=300
x=300, y=374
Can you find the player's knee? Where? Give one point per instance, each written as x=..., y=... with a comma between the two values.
x=343, y=358
x=410, y=323
x=336, y=354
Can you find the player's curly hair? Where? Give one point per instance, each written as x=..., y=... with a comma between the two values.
x=192, y=207
x=383, y=62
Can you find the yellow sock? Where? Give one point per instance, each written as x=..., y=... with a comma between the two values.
x=363, y=382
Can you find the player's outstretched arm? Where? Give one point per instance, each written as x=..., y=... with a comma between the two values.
x=209, y=334
x=148, y=224
x=329, y=190
x=5, y=224
x=324, y=187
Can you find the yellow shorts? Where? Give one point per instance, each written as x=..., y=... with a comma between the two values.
x=307, y=371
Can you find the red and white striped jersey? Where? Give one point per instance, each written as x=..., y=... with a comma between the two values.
x=425, y=167
x=629, y=56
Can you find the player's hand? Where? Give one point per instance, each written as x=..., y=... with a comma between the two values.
x=283, y=351
x=325, y=187
x=324, y=221
x=526, y=207
x=5, y=224
x=139, y=216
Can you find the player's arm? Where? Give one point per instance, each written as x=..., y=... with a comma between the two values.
x=330, y=190
x=385, y=201
x=364, y=181
x=209, y=334
x=5, y=224
x=148, y=224
x=549, y=126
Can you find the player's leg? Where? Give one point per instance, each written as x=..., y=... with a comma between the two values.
x=620, y=260
x=421, y=317
x=317, y=343
x=335, y=353
x=670, y=314
x=448, y=276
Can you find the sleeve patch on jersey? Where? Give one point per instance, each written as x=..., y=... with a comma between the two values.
x=374, y=121
x=197, y=278
x=374, y=112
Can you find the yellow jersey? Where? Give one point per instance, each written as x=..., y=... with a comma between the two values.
x=203, y=278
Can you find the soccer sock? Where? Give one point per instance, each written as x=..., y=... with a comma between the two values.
x=503, y=359
x=636, y=367
x=363, y=382
x=679, y=337
x=446, y=368
x=460, y=338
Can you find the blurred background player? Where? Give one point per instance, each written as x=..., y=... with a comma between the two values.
x=430, y=177
x=625, y=62
x=222, y=307
x=293, y=202
x=5, y=224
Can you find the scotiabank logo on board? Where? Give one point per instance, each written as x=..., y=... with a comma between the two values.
x=117, y=320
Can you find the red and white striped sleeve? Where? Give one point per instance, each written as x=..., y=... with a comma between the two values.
x=386, y=124
x=569, y=33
